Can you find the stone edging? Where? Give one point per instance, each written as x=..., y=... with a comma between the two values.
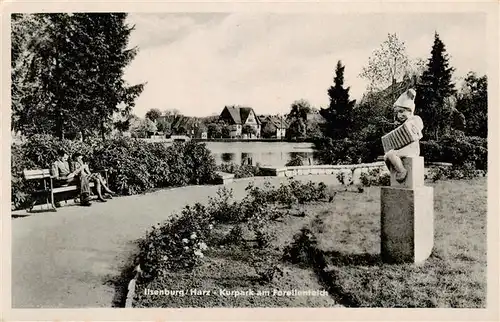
x=131, y=287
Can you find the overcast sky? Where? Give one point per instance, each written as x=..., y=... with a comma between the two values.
x=197, y=63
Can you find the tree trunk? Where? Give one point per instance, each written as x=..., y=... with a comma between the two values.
x=102, y=131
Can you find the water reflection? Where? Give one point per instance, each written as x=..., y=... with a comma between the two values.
x=227, y=157
x=305, y=157
x=265, y=153
x=265, y=158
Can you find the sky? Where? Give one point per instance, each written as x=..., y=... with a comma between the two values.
x=199, y=62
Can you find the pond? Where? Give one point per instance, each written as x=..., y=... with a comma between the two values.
x=266, y=153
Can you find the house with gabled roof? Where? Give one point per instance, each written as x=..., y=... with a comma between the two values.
x=275, y=126
x=238, y=117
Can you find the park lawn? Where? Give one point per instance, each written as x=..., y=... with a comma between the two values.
x=229, y=268
x=453, y=277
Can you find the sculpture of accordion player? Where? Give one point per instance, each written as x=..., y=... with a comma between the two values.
x=404, y=140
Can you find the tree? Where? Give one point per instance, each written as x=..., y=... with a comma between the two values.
x=226, y=131
x=139, y=128
x=473, y=104
x=339, y=115
x=164, y=126
x=313, y=130
x=248, y=129
x=434, y=89
x=297, y=119
x=388, y=64
x=181, y=130
x=172, y=111
x=214, y=130
x=296, y=129
x=268, y=130
x=299, y=109
x=36, y=40
x=153, y=114
x=67, y=72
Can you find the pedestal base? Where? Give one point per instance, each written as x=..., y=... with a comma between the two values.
x=407, y=219
x=415, y=176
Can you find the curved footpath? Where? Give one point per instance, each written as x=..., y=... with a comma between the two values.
x=76, y=257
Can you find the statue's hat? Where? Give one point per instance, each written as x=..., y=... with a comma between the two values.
x=407, y=100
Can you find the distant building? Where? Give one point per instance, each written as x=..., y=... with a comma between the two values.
x=237, y=117
x=201, y=131
x=275, y=126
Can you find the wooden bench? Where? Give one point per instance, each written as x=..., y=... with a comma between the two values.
x=47, y=190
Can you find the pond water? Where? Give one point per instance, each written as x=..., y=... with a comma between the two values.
x=266, y=153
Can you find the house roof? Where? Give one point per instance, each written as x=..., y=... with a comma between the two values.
x=275, y=120
x=234, y=112
x=239, y=114
x=386, y=97
x=244, y=112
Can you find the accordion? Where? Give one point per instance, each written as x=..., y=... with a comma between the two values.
x=410, y=131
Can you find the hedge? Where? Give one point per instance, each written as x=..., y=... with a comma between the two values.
x=134, y=166
x=458, y=149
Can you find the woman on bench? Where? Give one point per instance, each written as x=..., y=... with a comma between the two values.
x=63, y=176
x=79, y=165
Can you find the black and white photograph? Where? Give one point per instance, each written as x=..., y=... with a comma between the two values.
x=234, y=158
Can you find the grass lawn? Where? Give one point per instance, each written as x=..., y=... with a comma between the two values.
x=455, y=274
x=348, y=263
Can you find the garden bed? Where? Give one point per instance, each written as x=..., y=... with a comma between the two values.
x=328, y=241
x=229, y=277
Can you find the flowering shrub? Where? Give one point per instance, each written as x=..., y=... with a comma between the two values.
x=262, y=238
x=19, y=187
x=181, y=242
x=178, y=244
x=223, y=209
x=266, y=266
x=375, y=177
x=346, y=151
x=308, y=192
x=235, y=236
x=302, y=248
x=287, y=194
x=467, y=171
x=458, y=149
x=295, y=161
x=134, y=166
x=343, y=178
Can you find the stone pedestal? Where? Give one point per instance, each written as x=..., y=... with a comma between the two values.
x=407, y=216
x=416, y=173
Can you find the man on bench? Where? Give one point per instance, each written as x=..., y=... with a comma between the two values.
x=63, y=176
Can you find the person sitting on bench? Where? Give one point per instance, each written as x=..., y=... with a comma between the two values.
x=63, y=176
x=79, y=164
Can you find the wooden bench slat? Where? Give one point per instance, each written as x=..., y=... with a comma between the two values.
x=36, y=174
x=69, y=188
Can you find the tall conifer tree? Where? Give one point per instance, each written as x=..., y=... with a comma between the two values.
x=434, y=88
x=339, y=115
